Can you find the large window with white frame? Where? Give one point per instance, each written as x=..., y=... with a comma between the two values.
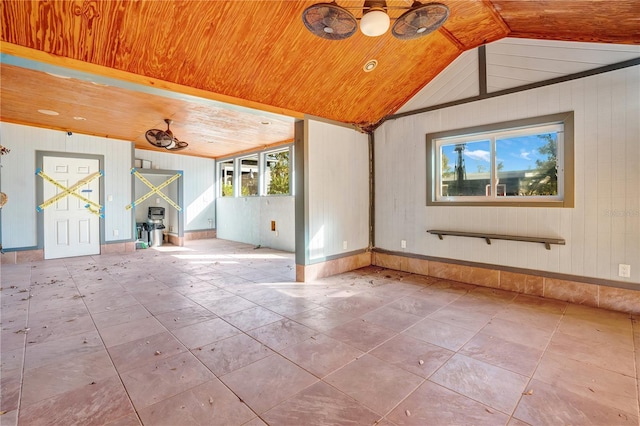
x=523, y=162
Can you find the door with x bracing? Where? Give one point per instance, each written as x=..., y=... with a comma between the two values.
x=70, y=228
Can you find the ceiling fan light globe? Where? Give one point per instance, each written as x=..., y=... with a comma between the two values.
x=375, y=23
x=328, y=30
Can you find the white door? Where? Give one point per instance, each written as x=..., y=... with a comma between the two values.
x=70, y=229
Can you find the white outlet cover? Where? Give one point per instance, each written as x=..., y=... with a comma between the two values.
x=624, y=270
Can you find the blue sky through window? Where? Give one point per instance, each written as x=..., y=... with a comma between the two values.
x=515, y=153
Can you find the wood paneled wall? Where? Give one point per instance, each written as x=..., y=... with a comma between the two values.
x=19, y=216
x=338, y=190
x=198, y=185
x=602, y=230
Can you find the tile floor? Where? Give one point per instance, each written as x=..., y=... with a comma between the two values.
x=218, y=333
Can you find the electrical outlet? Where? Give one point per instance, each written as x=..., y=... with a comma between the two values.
x=624, y=271
x=344, y=245
x=157, y=200
x=277, y=234
x=115, y=233
x=403, y=243
x=109, y=197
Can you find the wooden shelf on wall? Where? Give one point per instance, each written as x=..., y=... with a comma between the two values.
x=488, y=237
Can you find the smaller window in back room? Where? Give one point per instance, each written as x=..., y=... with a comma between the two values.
x=525, y=163
x=277, y=172
x=226, y=178
x=249, y=175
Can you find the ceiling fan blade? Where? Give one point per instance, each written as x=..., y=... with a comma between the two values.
x=330, y=21
x=420, y=21
x=158, y=138
x=177, y=145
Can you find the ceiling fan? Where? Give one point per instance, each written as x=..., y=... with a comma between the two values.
x=333, y=22
x=165, y=138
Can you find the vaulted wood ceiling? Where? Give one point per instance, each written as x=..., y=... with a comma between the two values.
x=220, y=69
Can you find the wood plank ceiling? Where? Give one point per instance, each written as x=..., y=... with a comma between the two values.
x=255, y=56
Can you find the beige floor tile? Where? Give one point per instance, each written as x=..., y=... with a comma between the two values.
x=355, y=305
x=393, y=319
x=620, y=360
x=321, y=355
x=463, y=318
x=233, y=353
x=138, y=306
x=111, y=317
x=205, y=333
x=432, y=404
x=268, y=382
x=548, y=404
x=281, y=334
x=209, y=403
x=55, y=379
x=60, y=350
x=130, y=331
x=159, y=380
x=439, y=333
x=132, y=355
x=361, y=334
x=589, y=381
x=502, y=353
x=321, y=405
x=184, y=317
x=413, y=355
x=252, y=318
x=493, y=386
x=417, y=305
x=96, y=404
x=378, y=385
x=322, y=319
x=531, y=336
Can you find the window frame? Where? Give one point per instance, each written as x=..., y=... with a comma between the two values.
x=263, y=188
x=236, y=160
x=220, y=179
x=565, y=160
x=258, y=173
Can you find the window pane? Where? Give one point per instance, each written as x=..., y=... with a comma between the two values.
x=249, y=175
x=226, y=178
x=527, y=165
x=277, y=172
x=465, y=169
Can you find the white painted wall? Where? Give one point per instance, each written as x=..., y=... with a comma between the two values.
x=198, y=185
x=459, y=80
x=513, y=62
x=602, y=230
x=19, y=215
x=248, y=220
x=337, y=189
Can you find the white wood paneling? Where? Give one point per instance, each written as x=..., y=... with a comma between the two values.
x=248, y=220
x=458, y=81
x=338, y=189
x=19, y=216
x=515, y=62
x=602, y=230
x=198, y=185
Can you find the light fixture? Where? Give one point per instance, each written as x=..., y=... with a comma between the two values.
x=48, y=112
x=375, y=22
x=333, y=22
x=370, y=65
